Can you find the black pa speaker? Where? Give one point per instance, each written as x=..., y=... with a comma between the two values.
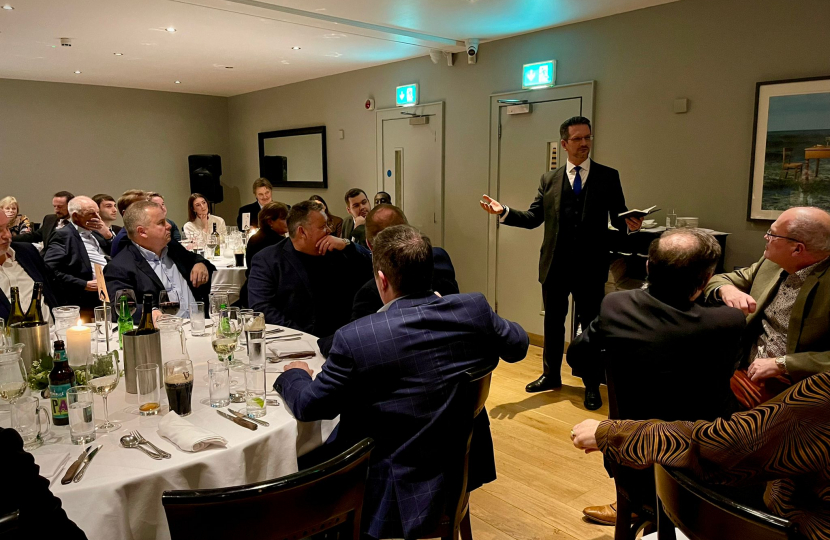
x=205, y=170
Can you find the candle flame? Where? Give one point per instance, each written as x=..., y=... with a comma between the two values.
x=80, y=322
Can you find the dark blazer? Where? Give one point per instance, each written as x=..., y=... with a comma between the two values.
x=130, y=270
x=393, y=376
x=30, y=260
x=603, y=197
x=278, y=284
x=355, y=234
x=68, y=259
x=252, y=209
x=43, y=234
x=259, y=241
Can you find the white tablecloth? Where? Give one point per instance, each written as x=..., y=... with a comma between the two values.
x=227, y=278
x=120, y=494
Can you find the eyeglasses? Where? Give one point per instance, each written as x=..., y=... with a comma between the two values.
x=579, y=140
x=769, y=233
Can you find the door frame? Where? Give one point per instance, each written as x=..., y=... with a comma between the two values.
x=584, y=90
x=436, y=110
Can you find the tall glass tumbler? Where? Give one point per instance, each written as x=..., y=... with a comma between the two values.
x=148, y=383
x=81, y=414
x=103, y=326
x=219, y=384
x=255, y=391
x=197, y=319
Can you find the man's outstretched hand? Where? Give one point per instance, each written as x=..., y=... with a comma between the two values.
x=491, y=206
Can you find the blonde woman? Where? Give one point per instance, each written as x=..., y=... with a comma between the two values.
x=18, y=224
x=199, y=218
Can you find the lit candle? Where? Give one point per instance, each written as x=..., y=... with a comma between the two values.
x=78, y=344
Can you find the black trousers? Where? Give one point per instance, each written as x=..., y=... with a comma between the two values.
x=588, y=291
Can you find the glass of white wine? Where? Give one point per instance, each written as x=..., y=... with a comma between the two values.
x=13, y=378
x=103, y=374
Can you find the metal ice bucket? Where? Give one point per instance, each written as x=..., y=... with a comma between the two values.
x=35, y=337
x=140, y=348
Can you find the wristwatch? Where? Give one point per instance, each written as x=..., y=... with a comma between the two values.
x=348, y=242
x=781, y=362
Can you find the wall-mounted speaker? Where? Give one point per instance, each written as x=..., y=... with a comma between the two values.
x=205, y=171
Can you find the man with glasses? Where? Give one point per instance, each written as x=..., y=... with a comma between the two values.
x=786, y=299
x=574, y=202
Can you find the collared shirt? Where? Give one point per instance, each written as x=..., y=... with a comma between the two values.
x=584, y=168
x=93, y=248
x=388, y=304
x=772, y=342
x=171, y=278
x=14, y=275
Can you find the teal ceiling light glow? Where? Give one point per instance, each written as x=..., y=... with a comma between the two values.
x=406, y=96
x=539, y=75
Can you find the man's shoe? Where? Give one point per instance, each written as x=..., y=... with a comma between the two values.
x=593, y=399
x=544, y=383
x=604, y=515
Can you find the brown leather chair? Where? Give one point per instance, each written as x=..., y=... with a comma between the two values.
x=288, y=508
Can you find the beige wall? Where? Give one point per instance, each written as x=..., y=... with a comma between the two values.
x=710, y=51
x=91, y=139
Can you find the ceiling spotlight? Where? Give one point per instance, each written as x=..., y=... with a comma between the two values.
x=8, y=7
x=118, y=54
x=295, y=48
x=170, y=29
x=77, y=72
x=178, y=82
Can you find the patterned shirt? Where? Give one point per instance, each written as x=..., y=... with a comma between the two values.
x=93, y=248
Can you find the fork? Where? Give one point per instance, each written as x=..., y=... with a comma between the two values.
x=142, y=440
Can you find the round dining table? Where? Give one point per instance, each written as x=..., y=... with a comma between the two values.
x=120, y=494
x=228, y=278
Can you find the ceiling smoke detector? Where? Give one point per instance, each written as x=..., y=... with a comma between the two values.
x=66, y=42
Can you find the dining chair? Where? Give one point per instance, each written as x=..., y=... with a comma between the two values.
x=288, y=508
x=703, y=514
x=787, y=165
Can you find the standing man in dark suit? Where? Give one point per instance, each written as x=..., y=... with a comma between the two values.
x=394, y=376
x=51, y=223
x=574, y=202
x=262, y=191
x=152, y=262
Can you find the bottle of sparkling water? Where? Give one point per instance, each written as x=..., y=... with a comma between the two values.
x=125, y=320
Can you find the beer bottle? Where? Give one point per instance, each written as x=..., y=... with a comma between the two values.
x=15, y=313
x=34, y=313
x=61, y=379
x=125, y=320
x=145, y=326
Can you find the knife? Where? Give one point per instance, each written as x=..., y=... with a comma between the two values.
x=255, y=420
x=87, y=461
x=70, y=472
x=240, y=421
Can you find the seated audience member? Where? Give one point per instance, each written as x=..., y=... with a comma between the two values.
x=334, y=223
x=21, y=266
x=108, y=210
x=18, y=224
x=309, y=282
x=200, y=219
x=381, y=197
x=39, y=508
x=357, y=205
x=262, y=191
x=273, y=229
x=152, y=263
x=156, y=197
x=648, y=338
x=786, y=299
x=50, y=223
x=126, y=199
x=783, y=443
x=401, y=390
x=74, y=250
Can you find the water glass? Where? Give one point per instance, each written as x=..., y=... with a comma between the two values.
x=255, y=391
x=197, y=319
x=256, y=347
x=26, y=421
x=219, y=384
x=81, y=414
x=65, y=316
x=103, y=325
x=148, y=380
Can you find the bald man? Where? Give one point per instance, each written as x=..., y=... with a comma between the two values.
x=786, y=299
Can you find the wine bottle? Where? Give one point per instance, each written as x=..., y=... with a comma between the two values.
x=61, y=379
x=146, y=325
x=215, y=240
x=15, y=313
x=34, y=313
x=125, y=320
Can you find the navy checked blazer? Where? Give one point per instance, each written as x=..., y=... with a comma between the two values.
x=394, y=376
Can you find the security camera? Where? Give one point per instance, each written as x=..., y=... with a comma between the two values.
x=436, y=55
x=472, y=50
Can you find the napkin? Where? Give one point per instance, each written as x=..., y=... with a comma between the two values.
x=292, y=349
x=185, y=435
x=51, y=465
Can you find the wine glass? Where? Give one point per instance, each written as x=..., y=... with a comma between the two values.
x=13, y=378
x=217, y=300
x=169, y=302
x=103, y=374
x=130, y=294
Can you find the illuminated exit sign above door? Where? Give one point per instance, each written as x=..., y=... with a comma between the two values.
x=539, y=75
x=406, y=96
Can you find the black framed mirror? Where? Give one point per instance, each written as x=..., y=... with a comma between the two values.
x=294, y=157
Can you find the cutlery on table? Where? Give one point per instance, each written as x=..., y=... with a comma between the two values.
x=142, y=440
x=272, y=402
x=287, y=337
x=239, y=421
x=128, y=441
x=73, y=469
x=255, y=420
x=87, y=461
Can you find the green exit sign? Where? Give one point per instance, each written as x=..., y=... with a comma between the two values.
x=539, y=75
x=407, y=95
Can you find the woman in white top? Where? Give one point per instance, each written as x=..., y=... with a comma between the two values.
x=200, y=220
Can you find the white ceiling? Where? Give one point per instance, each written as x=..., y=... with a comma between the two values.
x=255, y=37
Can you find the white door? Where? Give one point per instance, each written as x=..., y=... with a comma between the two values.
x=528, y=147
x=411, y=167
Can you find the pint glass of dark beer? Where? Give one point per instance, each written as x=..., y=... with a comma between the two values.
x=178, y=382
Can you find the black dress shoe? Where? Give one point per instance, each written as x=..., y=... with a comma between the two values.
x=544, y=383
x=593, y=399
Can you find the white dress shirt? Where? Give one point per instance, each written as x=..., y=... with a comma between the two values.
x=169, y=275
x=191, y=228
x=13, y=275
x=93, y=248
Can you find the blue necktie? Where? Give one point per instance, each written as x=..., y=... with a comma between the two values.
x=577, y=180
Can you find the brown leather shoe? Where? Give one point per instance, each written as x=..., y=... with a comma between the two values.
x=604, y=515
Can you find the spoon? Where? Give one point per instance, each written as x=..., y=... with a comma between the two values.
x=128, y=441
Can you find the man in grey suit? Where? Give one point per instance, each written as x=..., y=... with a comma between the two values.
x=574, y=258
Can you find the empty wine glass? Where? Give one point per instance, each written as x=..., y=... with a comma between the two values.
x=130, y=294
x=103, y=374
x=169, y=302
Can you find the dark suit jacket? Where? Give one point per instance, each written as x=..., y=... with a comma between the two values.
x=43, y=234
x=259, y=241
x=30, y=260
x=355, y=234
x=603, y=196
x=278, y=284
x=68, y=259
x=393, y=376
x=252, y=209
x=130, y=270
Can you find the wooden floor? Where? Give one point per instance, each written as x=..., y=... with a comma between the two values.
x=543, y=481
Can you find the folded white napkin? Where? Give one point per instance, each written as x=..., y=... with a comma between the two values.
x=51, y=465
x=292, y=349
x=185, y=435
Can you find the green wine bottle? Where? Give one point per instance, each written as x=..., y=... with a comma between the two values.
x=34, y=313
x=15, y=313
x=125, y=320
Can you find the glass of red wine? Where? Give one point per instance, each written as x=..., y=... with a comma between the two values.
x=169, y=303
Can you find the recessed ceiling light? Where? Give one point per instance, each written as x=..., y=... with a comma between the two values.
x=118, y=54
x=178, y=82
x=8, y=7
x=170, y=29
x=295, y=48
x=77, y=72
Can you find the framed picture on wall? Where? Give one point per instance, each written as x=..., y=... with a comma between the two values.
x=791, y=147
